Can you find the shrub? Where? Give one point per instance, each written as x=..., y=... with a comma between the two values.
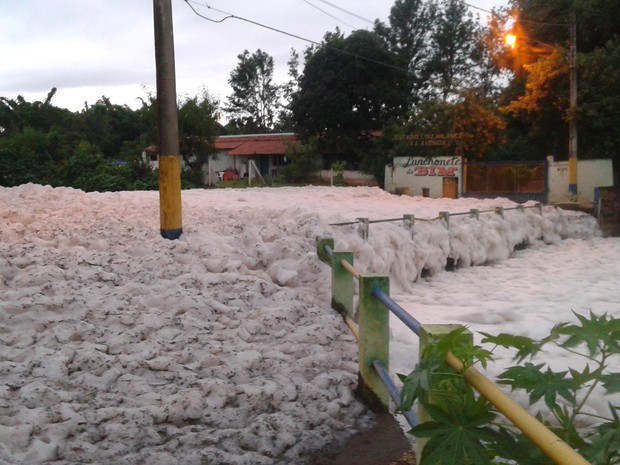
x=465, y=429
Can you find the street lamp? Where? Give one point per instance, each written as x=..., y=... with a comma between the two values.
x=511, y=40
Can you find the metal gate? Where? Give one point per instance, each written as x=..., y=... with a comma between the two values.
x=519, y=181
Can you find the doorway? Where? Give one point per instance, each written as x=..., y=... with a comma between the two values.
x=450, y=188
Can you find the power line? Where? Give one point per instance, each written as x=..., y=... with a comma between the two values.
x=304, y=39
x=280, y=31
x=477, y=7
x=232, y=16
x=372, y=22
x=189, y=3
x=328, y=14
x=523, y=20
x=347, y=11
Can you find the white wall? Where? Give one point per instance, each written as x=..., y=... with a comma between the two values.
x=351, y=177
x=590, y=174
x=418, y=173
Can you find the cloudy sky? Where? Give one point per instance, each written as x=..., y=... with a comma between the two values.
x=90, y=48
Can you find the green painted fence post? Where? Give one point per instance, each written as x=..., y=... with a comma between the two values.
x=342, y=281
x=321, y=251
x=374, y=340
x=342, y=284
x=429, y=334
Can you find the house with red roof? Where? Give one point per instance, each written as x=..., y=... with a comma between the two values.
x=267, y=152
x=235, y=154
x=264, y=154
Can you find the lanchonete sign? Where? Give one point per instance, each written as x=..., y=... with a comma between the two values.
x=430, y=166
x=433, y=176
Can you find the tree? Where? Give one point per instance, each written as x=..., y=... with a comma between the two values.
x=441, y=46
x=304, y=162
x=285, y=117
x=476, y=124
x=481, y=127
x=24, y=158
x=34, y=138
x=83, y=169
x=349, y=87
x=255, y=99
x=408, y=35
x=547, y=22
x=89, y=170
x=198, y=127
x=107, y=126
x=455, y=63
x=546, y=85
x=537, y=100
x=598, y=116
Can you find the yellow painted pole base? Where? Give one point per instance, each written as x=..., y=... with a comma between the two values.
x=170, y=197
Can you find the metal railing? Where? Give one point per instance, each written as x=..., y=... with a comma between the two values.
x=372, y=334
x=409, y=220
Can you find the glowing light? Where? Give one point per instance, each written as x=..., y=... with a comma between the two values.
x=511, y=40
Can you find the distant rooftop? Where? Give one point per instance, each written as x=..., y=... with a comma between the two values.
x=256, y=144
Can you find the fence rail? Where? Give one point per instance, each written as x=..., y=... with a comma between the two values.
x=372, y=333
x=409, y=220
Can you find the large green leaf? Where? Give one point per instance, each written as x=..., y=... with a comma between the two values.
x=415, y=385
x=518, y=448
x=611, y=382
x=457, y=434
x=597, y=333
x=539, y=384
x=526, y=347
x=605, y=448
x=584, y=376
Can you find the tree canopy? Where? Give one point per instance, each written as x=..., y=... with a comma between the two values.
x=349, y=87
x=536, y=102
x=98, y=148
x=431, y=67
x=254, y=102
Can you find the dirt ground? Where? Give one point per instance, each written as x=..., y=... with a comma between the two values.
x=385, y=444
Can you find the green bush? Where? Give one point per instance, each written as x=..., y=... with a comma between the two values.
x=465, y=428
x=305, y=162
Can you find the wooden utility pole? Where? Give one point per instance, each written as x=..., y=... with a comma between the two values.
x=572, y=121
x=168, y=124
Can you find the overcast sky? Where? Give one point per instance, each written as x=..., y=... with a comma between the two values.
x=90, y=48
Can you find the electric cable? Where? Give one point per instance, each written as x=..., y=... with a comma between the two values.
x=189, y=3
x=328, y=14
x=240, y=18
x=347, y=11
x=477, y=7
x=304, y=39
x=280, y=31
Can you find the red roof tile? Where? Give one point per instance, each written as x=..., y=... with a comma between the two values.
x=258, y=144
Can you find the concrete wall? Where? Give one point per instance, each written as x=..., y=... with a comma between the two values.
x=351, y=178
x=590, y=175
x=423, y=175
